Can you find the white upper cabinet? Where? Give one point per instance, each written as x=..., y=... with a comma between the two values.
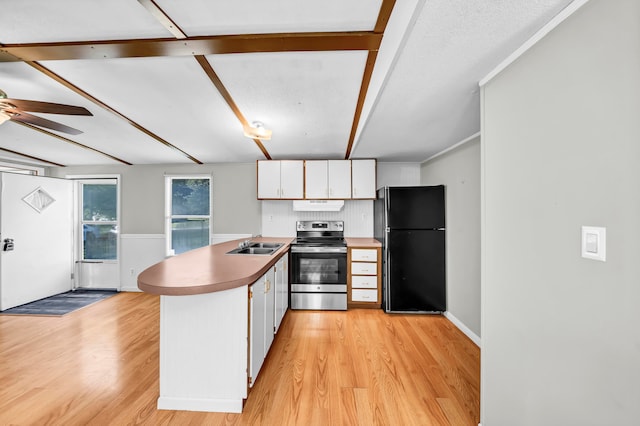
x=339, y=179
x=363, y=177
x=292, y=179
x=326, y=179
x=315, y=179
x=280, y=179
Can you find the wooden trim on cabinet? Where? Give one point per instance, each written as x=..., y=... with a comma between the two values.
x=364, y=305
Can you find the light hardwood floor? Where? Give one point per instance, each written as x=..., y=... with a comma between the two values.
x=99, y=366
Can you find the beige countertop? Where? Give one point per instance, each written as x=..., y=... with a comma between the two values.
x=209, y=269
x=363, y=242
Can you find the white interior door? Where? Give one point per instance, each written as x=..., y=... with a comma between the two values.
x=36, y=213
x=97, y=230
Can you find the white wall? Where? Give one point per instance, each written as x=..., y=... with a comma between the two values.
x=235, y=207
x=560, y=149
x=459, y=171
x=398, y=174
x=236, y=211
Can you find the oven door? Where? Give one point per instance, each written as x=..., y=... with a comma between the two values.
x=318, y=280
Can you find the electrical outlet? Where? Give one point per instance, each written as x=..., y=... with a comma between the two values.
x=132, y=271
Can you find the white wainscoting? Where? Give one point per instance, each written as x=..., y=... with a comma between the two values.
x=137, y=253
x=279, y=218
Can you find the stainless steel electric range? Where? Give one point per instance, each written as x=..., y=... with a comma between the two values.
x=319, y=266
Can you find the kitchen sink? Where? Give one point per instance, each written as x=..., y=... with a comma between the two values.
x=257, y=248
x=266, y=245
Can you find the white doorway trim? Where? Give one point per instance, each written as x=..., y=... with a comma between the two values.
x=96, y=270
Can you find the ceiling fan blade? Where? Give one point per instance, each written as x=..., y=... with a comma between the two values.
x=23, y=117
x=46, y=107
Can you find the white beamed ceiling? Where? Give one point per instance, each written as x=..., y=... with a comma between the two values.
x=422, y=99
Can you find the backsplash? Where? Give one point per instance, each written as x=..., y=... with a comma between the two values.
x=279, y=218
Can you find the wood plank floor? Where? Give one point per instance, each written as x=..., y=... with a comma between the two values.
x=99, y=366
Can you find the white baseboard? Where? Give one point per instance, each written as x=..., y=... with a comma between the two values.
x=199, y=404
x=470, y=334
x=131, y=289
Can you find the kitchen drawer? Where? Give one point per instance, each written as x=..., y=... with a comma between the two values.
x=364, y=295
x=364, y=281
x=364, y=255
x=364, y=268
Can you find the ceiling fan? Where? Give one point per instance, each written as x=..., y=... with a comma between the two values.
x=14, y=109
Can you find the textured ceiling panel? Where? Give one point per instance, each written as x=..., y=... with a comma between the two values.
x=27, y=141
x=103, y=131
x=203, y=17
x=37, y=21
x=423, y=95
x=431, y=100
x=307, y=99
x=172, y=97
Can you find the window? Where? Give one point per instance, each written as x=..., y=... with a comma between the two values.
x=99, y=221
x=188, y=222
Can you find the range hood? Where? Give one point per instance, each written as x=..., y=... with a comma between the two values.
x=318, y=205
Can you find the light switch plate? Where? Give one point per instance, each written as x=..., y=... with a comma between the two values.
x=594, y=243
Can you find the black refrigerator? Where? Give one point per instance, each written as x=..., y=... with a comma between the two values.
x=410, y=224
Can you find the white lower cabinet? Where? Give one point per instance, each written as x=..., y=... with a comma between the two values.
x=261, y=322
x=281, y=290
x=269, y=301
x=364, y=277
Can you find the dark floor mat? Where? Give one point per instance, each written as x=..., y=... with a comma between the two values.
x=61, y=304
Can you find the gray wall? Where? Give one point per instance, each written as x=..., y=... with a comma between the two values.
x=459, y=170
x=561, y=149
x=235, y=207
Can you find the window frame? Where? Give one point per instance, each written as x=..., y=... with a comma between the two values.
x=168, y=205
x=79, y=180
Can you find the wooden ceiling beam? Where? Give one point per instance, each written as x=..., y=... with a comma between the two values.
x=208, y=69
x=192, y=46
x=164, y=19
x=46, y=71
x=381, y=24
x=364, y=87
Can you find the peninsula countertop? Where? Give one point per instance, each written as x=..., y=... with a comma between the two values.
x=209, y=269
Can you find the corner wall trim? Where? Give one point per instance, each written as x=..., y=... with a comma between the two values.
x=550, y=26
x=470, y=334
x=452, y=147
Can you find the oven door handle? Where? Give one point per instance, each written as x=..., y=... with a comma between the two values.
x=320, y=250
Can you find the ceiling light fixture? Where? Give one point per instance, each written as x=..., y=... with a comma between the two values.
x=256, y=130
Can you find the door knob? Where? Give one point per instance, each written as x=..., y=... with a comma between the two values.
x=8, y=244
